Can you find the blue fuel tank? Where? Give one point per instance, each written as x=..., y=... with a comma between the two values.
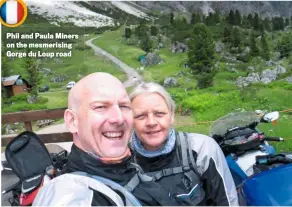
x=269, y=188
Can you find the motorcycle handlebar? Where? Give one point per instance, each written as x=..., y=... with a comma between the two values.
x=275, y=139
x=7, y=190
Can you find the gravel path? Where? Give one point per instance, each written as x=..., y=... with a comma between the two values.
x=133, y=76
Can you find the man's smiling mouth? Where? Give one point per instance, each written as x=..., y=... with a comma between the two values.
x=113, y=135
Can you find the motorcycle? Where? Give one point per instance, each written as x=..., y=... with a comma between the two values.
x=24, y=176
x=258, y=171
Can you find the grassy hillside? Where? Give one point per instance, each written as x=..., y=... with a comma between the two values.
x=211, y=103
x=202, y=105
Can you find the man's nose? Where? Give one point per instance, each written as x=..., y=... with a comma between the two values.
x=116, y=115
x=151, y=121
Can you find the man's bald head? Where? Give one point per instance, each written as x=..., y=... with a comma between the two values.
x=100, y=115
x=88, y=84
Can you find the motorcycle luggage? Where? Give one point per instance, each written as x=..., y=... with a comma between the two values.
x=28, y=158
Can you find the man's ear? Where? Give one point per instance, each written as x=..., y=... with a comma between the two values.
x=71, y=121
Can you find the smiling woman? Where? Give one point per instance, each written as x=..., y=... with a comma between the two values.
x=167, y=153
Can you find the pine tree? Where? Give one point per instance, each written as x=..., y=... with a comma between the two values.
x=128, y=32
x=201, y=49
x=265, y=52
x=237, y=18
x=256, y=21
x=287, y=22
x=33, y=74
x=250, y=19
x=153, y=30
x=216, y=16
x=193, y=19
x=254, y=48
x=4, y=64
x=267, y=24
x=227, y=34
x=235, y=38
x=145, y=43
x=285, y=45
x=171, y=18
x=4, y=70
x=231, y=17
x=141, y=30
x=198, y=18
x=278, y=23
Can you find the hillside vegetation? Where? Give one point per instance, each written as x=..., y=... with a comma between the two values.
x=219, y=95
x=220, y=50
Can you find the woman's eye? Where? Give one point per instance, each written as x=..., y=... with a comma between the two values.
x=160, y=113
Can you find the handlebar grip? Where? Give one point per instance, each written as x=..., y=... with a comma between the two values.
x=7, y=190
x=275, y=139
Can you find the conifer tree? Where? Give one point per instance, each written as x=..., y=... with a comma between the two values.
x=171, y=18
x=33, y=74
x=235, y=37
x=231, y=17
x=128, y=32
x=237, y=18
x=227, y=34
x=193, y=19
x=254, y=48
x=201, y=49
x=153, y=30
x=145, y=43
x=265, y=52
x=256, y=21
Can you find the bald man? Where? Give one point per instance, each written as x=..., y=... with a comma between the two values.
x=99, y=116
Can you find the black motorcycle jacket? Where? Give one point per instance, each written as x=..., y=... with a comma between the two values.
x=148, y=193
x=214, y=186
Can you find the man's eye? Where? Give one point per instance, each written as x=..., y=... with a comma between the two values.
x=99, y=107
x=125, y=107
x=139, y=116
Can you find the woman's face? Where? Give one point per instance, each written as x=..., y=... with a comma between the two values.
x=152, y=120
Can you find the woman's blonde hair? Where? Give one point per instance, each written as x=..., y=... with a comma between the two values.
x=151, y=87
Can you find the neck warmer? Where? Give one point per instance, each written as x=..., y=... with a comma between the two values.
x=137, y=146
x=114, y=160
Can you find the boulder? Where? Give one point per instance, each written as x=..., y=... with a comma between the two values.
x=245, y=81
x=169, y=82
x=46, y=71
x=59, y=78
x=268, y=76
x=280, y=69
x=178, y=47
x=219, y=47
x=276, y=56
x=246, y=50
x=289, y=79
x=250, y=68
x=151, y=59
x=270, y=63
x=233, y=70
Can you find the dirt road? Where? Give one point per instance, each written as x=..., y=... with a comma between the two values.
x=133, y=76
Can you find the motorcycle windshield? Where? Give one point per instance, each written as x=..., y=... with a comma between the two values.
x=232, y=120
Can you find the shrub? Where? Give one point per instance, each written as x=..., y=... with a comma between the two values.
x=17, y=98
x=24, y=107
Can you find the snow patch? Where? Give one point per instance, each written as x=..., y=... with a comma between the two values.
x=129, y=9
x=206, y=8
x=68, y=12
